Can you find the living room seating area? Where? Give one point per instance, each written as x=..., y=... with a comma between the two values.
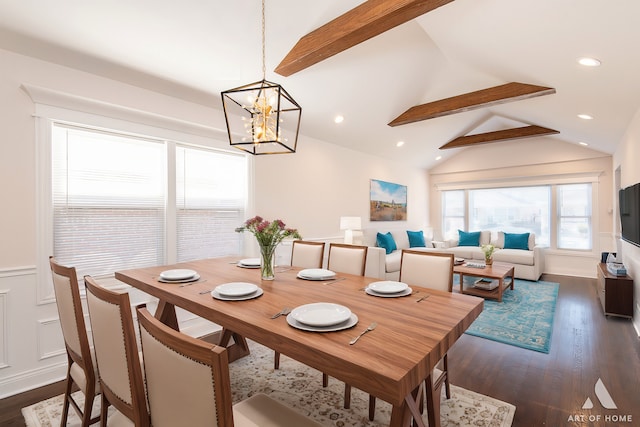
x=385, y=250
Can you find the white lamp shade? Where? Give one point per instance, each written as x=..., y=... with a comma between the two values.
x=350, y=223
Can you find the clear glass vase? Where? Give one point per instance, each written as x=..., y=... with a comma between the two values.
x=267, y=262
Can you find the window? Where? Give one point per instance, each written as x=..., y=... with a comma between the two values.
x=453, y=213
x=524, y=209
x=119, y=202
x=210, y=196
x=512, y=210
x=574, y=216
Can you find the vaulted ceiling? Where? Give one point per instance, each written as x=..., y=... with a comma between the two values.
x=478, y=59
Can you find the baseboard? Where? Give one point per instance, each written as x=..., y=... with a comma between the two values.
x=29, y=380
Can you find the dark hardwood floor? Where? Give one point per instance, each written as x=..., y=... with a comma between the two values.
x=547, y=389
x=550, y=389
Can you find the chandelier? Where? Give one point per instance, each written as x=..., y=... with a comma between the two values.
x=261, y=117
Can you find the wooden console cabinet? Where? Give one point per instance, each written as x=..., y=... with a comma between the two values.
x=615, y=293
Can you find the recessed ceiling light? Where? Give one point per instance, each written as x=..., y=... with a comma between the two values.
x=585, y=116
x=439, y=157
x=339, y=119
x=589, y=62
x=583, y=143
x=399, y=143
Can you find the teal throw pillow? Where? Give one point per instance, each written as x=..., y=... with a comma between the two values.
x=516, y=241
x=468, y=239
x=416, y=239
x=386, y=241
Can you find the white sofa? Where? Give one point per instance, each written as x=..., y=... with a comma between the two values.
x=529, y=264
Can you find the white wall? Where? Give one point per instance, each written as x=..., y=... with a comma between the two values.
x=530, y=161
x=312, y=189
x=626, y=158
x=309, y=190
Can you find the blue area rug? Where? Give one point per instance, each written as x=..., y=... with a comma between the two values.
x=524, y=318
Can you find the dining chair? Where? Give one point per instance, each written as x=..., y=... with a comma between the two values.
x=344, y=258
x=188, y=384
x=349, y=259
x=304, y=254
x=307, y=254
x=433, y=270
x=81, y=364
x=117, y=354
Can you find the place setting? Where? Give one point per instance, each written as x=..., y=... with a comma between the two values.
x=322, y=317
x=236, y=291
x=249, y=263
x=388, y=289
x=317, y=274
x=179, y=275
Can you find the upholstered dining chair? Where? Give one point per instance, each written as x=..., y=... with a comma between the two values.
x=81, y=368
x=188, y=384
x=432, y=270
x=344, y=258
x=117, y=354
x=304, y=254
x=350, y=259
x=307, y=254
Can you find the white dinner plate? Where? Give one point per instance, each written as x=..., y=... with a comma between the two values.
x=236, y=289
x=320, y=314
x=388, y=287
x=249, y=263
x=404, y=293
x=188, y=280
x=177, y=274
x=349, y=323
x=255, y=294
x=316, y=274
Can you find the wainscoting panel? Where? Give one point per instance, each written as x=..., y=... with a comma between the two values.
x=50, y=339
x=4, y=324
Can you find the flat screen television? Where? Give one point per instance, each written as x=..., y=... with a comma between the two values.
x=629, y=203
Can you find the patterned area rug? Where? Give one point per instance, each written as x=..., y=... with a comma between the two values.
x=300, y=387
x=524, y=318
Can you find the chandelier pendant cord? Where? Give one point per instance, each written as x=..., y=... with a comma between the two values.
x=264, y=67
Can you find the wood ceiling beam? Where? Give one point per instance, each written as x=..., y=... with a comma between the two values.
x=508, y=92
x=361, y=23
x=499, y=136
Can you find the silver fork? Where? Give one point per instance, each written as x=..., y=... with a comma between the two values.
x=371, y=327
x=284, y=312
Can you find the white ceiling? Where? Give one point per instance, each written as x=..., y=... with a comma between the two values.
x=197, y=48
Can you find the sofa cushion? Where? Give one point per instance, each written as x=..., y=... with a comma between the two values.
x=392, y=261
x=386, y=241
x=416, y=239
x=468, y=238
x=485, y=237
x=514, y=256
x=466, y=252
x=401, y=239
x=516, y=241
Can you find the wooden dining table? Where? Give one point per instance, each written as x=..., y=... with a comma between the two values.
x=391, y=362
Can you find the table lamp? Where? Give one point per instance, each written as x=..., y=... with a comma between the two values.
x=348, y=224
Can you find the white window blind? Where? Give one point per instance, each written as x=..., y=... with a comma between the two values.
x=114, y=206
x=210, y=202
x=108, y=200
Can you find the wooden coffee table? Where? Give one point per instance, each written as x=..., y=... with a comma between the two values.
x=500, y=271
